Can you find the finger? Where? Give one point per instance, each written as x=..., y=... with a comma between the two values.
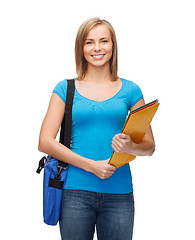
x=107, y=174
x=111, y=168
x=120, y=139
x=124, y=136
x=118, y=143
x=114, y=144
x=115, y=148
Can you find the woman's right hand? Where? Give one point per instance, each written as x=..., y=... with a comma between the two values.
x=102, y=169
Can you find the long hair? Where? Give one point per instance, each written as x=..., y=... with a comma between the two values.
x=81, y=63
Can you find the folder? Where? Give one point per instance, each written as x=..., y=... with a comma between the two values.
x=136, y=125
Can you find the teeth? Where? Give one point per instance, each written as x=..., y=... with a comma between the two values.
x=98, y=56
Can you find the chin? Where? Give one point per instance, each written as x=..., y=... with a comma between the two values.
x=99, y=64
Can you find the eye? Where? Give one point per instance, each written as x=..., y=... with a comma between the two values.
x=105, y=41
x=88, y=43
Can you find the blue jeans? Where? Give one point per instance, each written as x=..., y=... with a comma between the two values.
x=112, y=214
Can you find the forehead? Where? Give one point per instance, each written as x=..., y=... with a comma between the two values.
x=99, y=31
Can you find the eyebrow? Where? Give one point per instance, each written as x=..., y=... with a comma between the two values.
x=93, y=39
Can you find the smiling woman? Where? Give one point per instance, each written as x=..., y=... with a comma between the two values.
x=94, y=190
x=96, y=34
x=98, y=47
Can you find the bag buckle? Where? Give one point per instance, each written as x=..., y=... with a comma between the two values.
x=41, y=164
x=58, y=176
x=61, y=167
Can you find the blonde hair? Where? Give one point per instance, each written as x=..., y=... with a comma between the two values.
x=81, y=63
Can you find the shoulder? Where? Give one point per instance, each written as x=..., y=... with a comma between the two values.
x=129, y=84
x=60, y=89
x=132, y=91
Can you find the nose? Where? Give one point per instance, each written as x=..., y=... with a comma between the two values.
x=97, y=46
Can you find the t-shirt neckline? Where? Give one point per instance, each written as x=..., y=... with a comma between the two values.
x=115, y=95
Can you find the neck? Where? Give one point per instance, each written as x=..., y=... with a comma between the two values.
x=98, y=74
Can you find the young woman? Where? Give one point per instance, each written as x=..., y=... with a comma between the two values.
x=95, y=193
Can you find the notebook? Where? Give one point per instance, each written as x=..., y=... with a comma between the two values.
x=136, y=125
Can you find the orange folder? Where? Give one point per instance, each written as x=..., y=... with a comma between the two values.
x=136, y=125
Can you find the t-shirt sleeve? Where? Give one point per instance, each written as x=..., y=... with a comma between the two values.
x=60, y=90
x=133, y=93
x=136, y=95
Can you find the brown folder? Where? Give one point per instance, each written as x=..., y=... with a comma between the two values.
x=136, y=125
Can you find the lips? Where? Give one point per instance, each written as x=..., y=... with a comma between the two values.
x=98, y=56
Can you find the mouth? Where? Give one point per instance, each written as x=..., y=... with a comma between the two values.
x=98, y=56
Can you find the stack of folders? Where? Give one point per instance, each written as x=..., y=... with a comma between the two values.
x=136, y=125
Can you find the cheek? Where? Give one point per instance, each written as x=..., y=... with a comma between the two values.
x=110, y=48
x=85, y=52
x=109, y=51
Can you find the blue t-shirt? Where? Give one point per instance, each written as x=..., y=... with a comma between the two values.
x=94, y=124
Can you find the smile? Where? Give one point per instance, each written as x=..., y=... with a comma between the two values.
x=98, y=56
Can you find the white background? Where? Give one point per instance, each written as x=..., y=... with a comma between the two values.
x=156, y=50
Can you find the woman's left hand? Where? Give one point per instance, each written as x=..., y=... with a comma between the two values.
x=122, y=143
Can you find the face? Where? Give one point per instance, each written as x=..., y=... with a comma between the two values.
x=98, y=46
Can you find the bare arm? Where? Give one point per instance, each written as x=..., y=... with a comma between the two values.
x=49, y=145
x=123, y=143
